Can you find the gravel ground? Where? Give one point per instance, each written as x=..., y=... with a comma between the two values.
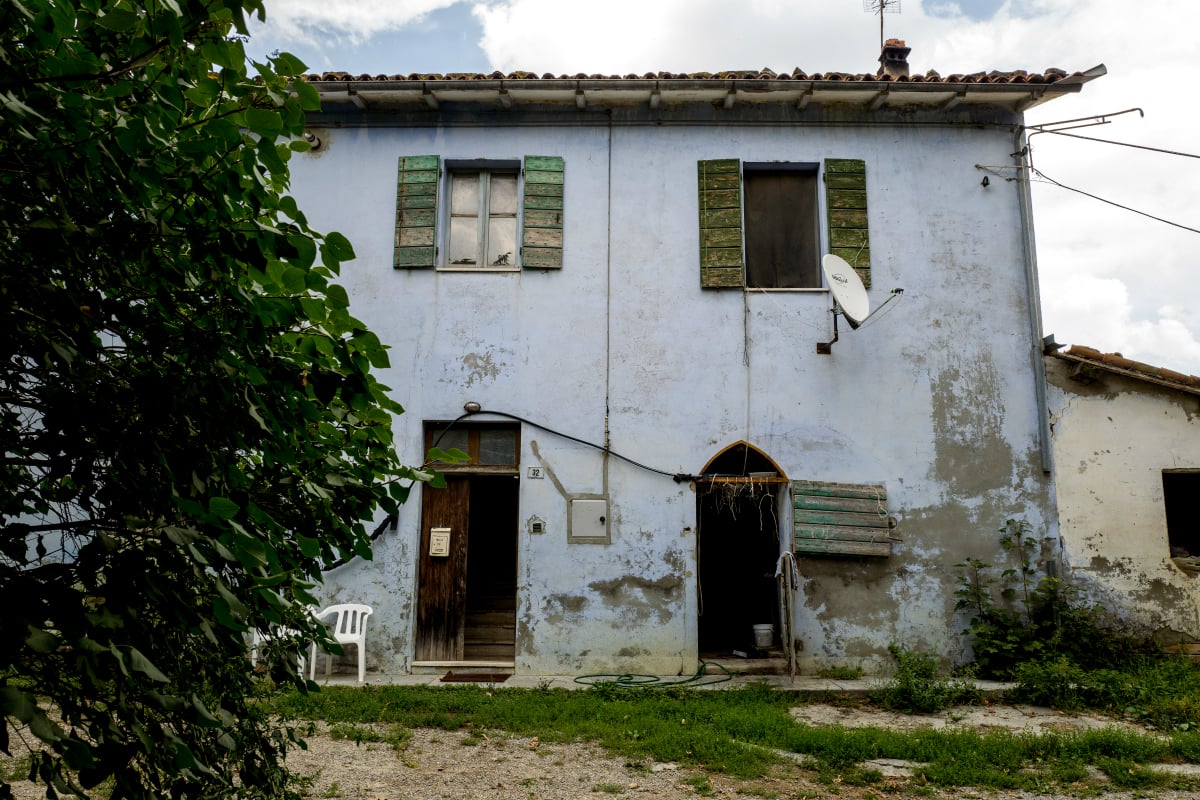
x=442, y=765
x=460, y=765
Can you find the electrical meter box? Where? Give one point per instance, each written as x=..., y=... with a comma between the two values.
x=589, y=521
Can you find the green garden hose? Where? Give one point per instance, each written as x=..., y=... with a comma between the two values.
x=633, y=680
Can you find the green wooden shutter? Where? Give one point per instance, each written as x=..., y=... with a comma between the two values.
x=840, y=519
x=542, y=213
x=846, y=204
x=416, y=212
x=722, y=264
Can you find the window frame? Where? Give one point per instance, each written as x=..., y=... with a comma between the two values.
x=752, y=169
x=1177, y=510
x=434, y=429
x=483, y=216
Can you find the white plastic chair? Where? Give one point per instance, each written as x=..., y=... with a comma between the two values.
x=349, y=626
x=259, y=639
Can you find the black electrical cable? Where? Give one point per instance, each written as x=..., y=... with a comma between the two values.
x=392, y=520
x=1050, y=180
x=1121, y=144
x=678, y=477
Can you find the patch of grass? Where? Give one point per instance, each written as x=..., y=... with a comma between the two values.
x=700, y=784
x=859, y=776
x=334, y=790
x=1128, y=775
x=841, y=673
x=608, y=788
x=394, y=735
x=470, y=740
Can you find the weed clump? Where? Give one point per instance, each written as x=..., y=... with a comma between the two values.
x=919, y=688
x=1037, y=619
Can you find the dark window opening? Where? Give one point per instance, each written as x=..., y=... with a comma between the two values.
x=1180, y=490
x=781, y=220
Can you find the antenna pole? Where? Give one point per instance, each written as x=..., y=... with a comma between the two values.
x=826, y=348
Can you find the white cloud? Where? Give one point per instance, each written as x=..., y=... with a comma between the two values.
x=332, y=22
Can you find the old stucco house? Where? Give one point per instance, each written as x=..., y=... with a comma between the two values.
x=1127, y=451
x=606, y=291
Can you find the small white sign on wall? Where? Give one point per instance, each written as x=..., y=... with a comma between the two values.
x=537, y=473
x=439, y=542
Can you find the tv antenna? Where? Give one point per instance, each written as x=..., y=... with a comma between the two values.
x=881, y=7
x=849, y=297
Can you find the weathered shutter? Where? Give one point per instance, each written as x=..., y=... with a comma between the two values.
x=846, y=203
x=542, y=213
x=416, y=212
x=721, y=261
x=840, y=519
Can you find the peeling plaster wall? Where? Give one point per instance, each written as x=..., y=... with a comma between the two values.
x=1112, y=441
x=934, y=398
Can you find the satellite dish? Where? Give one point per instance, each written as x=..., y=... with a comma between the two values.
x=847, y=289
x=849, y=297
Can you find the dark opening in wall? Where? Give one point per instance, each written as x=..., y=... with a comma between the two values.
x=1181, y=491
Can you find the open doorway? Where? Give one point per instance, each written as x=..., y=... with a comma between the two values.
x=467, y=566
x=739, y=501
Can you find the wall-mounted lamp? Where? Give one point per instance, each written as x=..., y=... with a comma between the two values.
x=472, y=407
x=313, y=140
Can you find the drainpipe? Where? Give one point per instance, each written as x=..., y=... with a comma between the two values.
x=608, y=308
x=1032, y=297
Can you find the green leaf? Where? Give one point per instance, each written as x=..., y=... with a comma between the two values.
x=339, y=246
x=118, y=20
x=223, y=507
x=263, y=121
x=337, y=296
x=310, y=100
x=41, y=641
x=287, y=65
x=143, y=665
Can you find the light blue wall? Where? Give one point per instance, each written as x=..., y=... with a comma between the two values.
x=935, y=398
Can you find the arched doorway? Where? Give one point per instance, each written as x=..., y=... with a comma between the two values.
x=739, y=508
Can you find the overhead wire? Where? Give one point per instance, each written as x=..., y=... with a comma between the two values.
x=1047, y=179
x=1101, y=120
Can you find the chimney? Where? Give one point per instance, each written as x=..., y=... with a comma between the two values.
x=893, y=61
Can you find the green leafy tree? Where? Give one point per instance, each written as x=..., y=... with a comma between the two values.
x=189, y=427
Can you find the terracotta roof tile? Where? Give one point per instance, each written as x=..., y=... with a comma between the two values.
x=1015, y=77
x=1115, y=362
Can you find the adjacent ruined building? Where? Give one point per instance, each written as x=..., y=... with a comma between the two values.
x=606, y=291
x=1127, y=455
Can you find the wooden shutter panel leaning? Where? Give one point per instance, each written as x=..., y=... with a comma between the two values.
x=416, y=212
x=848, y=519
x=542, y=213
x=722, y=263
x=846, y=205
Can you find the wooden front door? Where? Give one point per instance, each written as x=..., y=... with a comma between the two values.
x=442, y=593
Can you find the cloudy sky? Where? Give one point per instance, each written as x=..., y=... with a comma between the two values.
x=1111, y=278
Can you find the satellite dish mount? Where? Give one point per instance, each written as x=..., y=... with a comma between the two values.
x=849, y=297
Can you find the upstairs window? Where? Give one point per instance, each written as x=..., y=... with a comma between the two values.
x=760, y=222
x=782, y=241
x=479, y=214
x=483, y=217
